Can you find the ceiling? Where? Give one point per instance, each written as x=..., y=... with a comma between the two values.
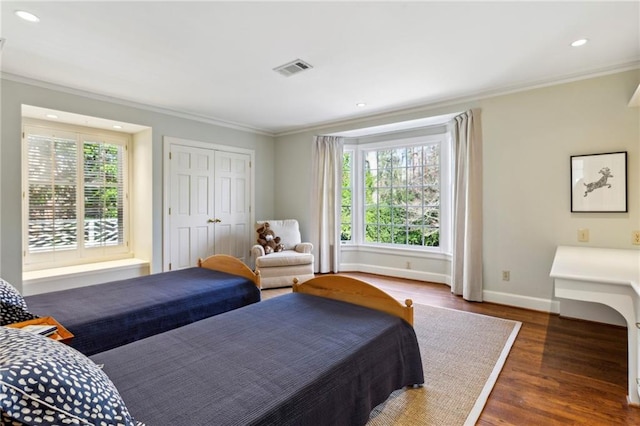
x=214, y=60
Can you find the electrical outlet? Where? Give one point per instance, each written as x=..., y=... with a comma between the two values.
x=635, y=238
x=408, y=265
x=583, y=235
x=506, y=275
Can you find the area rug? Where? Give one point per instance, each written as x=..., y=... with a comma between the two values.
x=462, y=356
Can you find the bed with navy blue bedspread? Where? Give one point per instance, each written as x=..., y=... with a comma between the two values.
x=109, y=315
x=295, y=359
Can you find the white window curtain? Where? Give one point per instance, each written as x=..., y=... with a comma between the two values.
x=466, y=276
x=325, y=202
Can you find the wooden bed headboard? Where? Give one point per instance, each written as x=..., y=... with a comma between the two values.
x=353, y=290
x=230, y=265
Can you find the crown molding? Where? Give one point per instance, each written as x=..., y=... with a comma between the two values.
x=319, y=127
x=470, y=99
x=124, y=102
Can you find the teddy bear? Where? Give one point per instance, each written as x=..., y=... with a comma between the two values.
x=268, y=239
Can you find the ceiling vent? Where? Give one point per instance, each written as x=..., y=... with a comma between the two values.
x=293, y=68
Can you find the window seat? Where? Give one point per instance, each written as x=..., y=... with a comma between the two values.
x=46, y=280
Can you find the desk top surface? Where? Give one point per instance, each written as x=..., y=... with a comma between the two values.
x=606, y=265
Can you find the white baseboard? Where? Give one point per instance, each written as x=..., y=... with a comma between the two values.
x=578, y=310
x=566, y=308
x=409, y=274
x=518, y=301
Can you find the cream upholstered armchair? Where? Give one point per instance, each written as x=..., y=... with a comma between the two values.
x=295, y=261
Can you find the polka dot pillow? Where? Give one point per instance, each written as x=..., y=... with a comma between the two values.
x=10, y=295
x=13, y=308
x=10, y=314
x=45, y=382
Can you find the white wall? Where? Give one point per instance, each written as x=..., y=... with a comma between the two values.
x=528, y=139
x=15, y=93
x=142, y=192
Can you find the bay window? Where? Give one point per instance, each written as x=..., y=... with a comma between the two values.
x=396, y=193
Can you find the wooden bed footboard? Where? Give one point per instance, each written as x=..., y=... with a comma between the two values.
x=230, y=265
x=353, y=290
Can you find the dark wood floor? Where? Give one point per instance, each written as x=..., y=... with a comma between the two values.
x=560, y=371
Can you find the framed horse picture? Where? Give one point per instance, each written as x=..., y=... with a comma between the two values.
x=599, y=183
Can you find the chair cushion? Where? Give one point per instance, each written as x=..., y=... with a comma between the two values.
x=288, y=230
x=284, y=258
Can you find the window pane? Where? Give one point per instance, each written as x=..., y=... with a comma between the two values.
x=431, y=195
x=346, y=219
x=385, y=215
x=431, y=175
x=399, y=215
x=432, y=217
x=384, y=233
x=52, y=190
x=103, y=194
x=370, y=195
x=384, y=158
x=400, y=235
x=414, y=236
x=384, y=197
x=399, y=177
x=371, y=233
x=432, y=238
x=371, y=214
x=402, y=195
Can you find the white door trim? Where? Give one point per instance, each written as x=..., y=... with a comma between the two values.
x=167, y=142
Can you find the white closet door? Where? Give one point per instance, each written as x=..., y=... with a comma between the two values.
x=232, y=204
x=191, y=210
x=209, y=201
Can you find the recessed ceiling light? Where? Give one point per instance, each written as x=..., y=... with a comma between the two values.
x=580, y=42
x=117, y=126
x=27, y=16
x=361, y=105
x=51, y=116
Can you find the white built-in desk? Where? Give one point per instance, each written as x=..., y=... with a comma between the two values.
x=610, y=277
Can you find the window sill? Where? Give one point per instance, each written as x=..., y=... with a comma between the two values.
x=399, y=251
x=54, y=279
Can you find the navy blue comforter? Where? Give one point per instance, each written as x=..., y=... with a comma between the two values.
x=109, y=315
x=292, y=360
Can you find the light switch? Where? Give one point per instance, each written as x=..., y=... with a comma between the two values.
x=583, y=235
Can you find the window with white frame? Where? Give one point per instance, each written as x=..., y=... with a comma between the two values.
x=396, y=193
x=346, y=221
x=75, y=196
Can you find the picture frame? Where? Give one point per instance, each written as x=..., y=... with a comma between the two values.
x=599, y=183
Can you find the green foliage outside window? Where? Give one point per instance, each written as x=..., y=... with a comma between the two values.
x=401, y=196
x=346, y=220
